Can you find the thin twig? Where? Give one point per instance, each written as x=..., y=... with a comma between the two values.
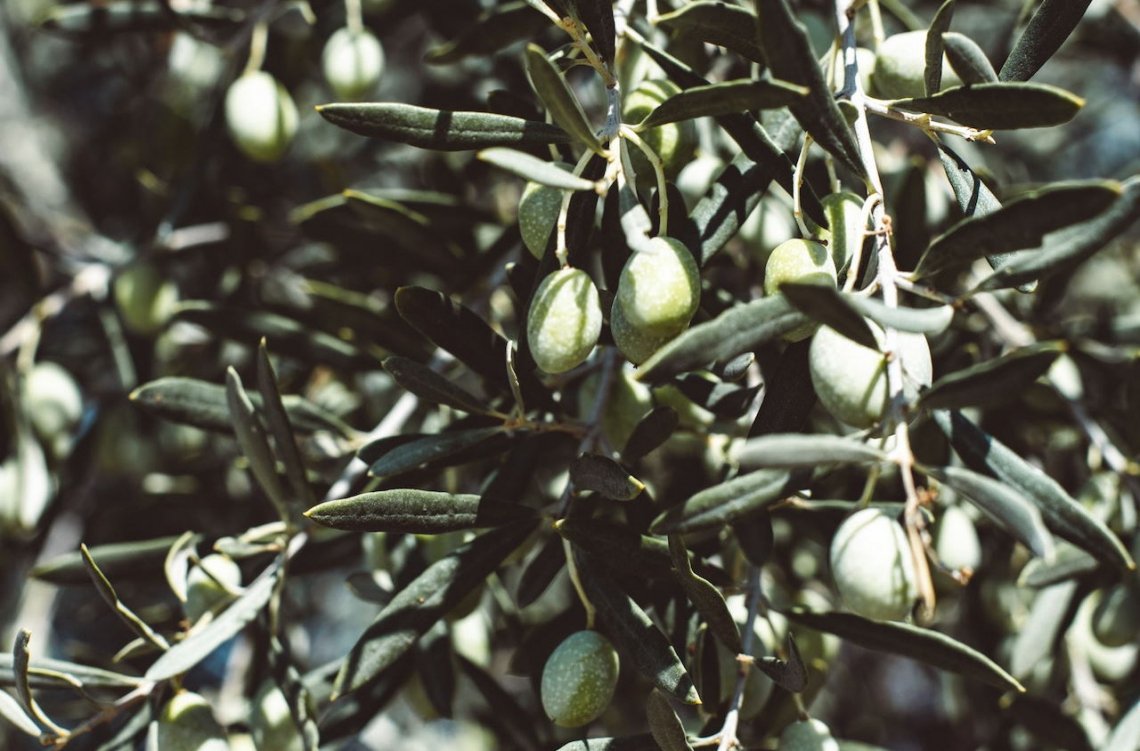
x=728, y=739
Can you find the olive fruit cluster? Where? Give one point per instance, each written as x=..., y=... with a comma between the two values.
x=353, y=62
x=578, y=679
x=872, y=566
x=565, y=320
x=900, y=65
x=658, y=293
x=261, y=116
x=674, y=143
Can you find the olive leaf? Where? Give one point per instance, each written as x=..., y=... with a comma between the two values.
x=725, y=400
x=828, y=306
x=497, y=27
x=506, y=712
x=994, y=380
x=726, y=502
x=935, y=39
x=44, y=672
x=788, y=393
x=422, y=602
x=933, y=320
x=534, y=169
x=1042, y=629
x=968, y=59
x=728, y=203
x=924, y=645
x=415, y=511
x=791, y=674
x=603, y=475
x=664, y=724
x=999, y=106
x=1049, y=27
x=254, y=443
x=431, y=386
x=724, y=98
x=105, y=589
x=1062, y=514
x=1069, y=562
x=708, y=601
x=540, y=570
x=117, y=559
x=789, y=450
x=387, y=457
x=715, y=22
x=282, y=430
x=651, y=431
x=598, y=18
x=442, y=130
x=131, y=15
x=11, y=711
x=558, y=99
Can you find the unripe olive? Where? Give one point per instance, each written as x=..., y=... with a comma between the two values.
x=578, y=679
x=271, y=722
x=145, y=299
x=565, y=320
x=660, y=287
x=1116, y=618
x=261, y=116
x=864, y=62
x=851, y=380
x=802, y=262
x=900, y=65
x=205, y=591
x=636, y=343
x=52, y=400
x=846, y=228
x=807, y=735
x=956, y=540
x=352, y=63
x=674, y=143
x=188, y=724
x=872, y=566
x=538, y=213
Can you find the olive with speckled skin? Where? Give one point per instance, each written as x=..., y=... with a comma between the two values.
x=578, y=679
x=872, y=566
x=660, y=287
x=564, y=321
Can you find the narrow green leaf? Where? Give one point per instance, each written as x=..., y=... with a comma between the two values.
x=1069, y=247
x=540, y=570
x=742, y=328
x=415, y=511
x=728, y=203
x=650, y=432
x=1063, y=515
x=828, y=306
x=120, y=16
x=1019, y=224
x=788, y=393
x=1050, y=26
x=725, y=98
x=254, y=443
x=622, y=549
x=203, y=405
x=788, y=53
x=442, y=130
x=664, y=724
x=21, y=661
x=496, y=28
x=603, y=475
x=1126, y=734
x=725, y=399
x=967, y=59
x=634, y=634
x=506, y=712
x=932, y=73
x=789, y=450
x=117, y=559
x=126, y=615
x=422, y=602
x=431, y=386
x=534, y=169
x=559, y=100
x=726, y=502
x=1039, y=634
x=11, y=711
x=439, y=449
x=720, y=23
x=914, y=320
x=49, y=673
x=228, y=624
x=1069, y=562
x=992, y=381
x=598, y=18
x=176, y=563
x=707, y=599
x=790, y=675
x=924, y=645
x=999, y=106
x=1012, y=511
x=282, y=431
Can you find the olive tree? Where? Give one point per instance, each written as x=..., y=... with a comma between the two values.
x=571, y=374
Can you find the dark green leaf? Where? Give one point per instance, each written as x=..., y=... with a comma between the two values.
x=664, y=724
x=788, y=393
x=707, y=599
x=117, y=559
x=790, y=675
x=716, y=22
x=1040, y=632
x=48, y=673
x=498, y=27
x=131, y=15
x=1069, y=247
x=999, y=106
x=992, y=381
x=622, y=549
x=423, y=601
x=924, y=645
x=968, y=59
x=828, y=306
x=1012, y=511
x=540, y=571
x=11, y=711
x=1047, y=30
x=598, y=18
x=788, y=450
x=739, y=329
x=728, y=202
x=788, y=53
x=1063, y=515
x=559, y=100
x=254, y=443
x=228, y=624
x=650, y=432
x=756, y=537
x=442, y=130
x=1069, y=562
x=1019, y=224
x=437, y=449
x=534, y=169
x=431, y=386
x=932, y=73
x=282, y=430
x=603, y=475
x=728, y=401
x=726, y=502
x=636, y=637
x=1049, y=724
x=111, y=597
x=506, y=712
x=914, y=320
x=724, y=98
x=415, y=511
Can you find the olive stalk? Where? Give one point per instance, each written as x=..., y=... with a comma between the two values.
x=659, y=171
x=727, y=735
x=797, y=184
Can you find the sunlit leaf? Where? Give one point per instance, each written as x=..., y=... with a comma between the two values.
x=999, y=106
x=442, y=130
x=932, y=72
x=727, y=502
x=560, y=102
x=534, y=169
x=788, y=450
x=415, y=511
x=992, y=381
x=724, y=98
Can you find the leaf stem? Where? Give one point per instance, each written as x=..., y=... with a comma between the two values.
x=727, y=735
x=662, y=195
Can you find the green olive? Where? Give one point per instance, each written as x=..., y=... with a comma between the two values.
x=565, y=320
x=807, y=735
x=847, y=230
x=801, y=262
x=956, y=540
x=261, y=116
x=52, y=401
x=352, y=63
x=579, y=678
x=637, y=344
x=674, y=143
x=538, y=213
x=659, y=289
x=145, y=298
x=208, y=585
x=851, y=380
x=188, y=724
x=900, y=66
x=271, y=721
x=872, y=566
